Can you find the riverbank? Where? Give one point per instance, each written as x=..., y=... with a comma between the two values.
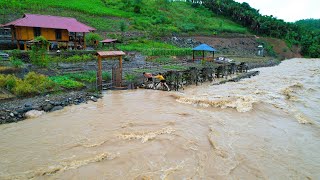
x=16, y=109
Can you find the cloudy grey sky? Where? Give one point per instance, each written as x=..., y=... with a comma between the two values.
x=288, y=10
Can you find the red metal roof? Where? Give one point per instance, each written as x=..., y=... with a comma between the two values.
x=53, y=22
x=108, y=40
x=110, y=53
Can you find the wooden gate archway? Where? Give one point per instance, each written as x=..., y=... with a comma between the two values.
x=108, y=54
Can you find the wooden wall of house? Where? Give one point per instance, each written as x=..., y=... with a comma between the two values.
x=24, y=33
x=27, y=33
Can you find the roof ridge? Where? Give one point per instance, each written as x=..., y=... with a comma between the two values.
x=49, y=21
x=50, y=16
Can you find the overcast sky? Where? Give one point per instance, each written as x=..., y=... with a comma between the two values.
x=288, y=10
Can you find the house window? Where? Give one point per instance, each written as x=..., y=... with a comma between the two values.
x=58, y=34
x=37, y=31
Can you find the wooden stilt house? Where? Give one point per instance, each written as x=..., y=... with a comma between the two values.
x=53, y=28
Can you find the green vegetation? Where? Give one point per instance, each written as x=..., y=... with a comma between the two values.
x=38, y=53
x=168, y=52
x=73, y=59
x=157, y=17
x=17, y=63
x=298, y=33
x=268, y=48
x=32, y=84
x=14, y=59
x=93, y=39
x=142, y=44
x=78, y=80
x=175, y=67
x=311, y=24
x=88, y=76
x=163, y=60
x=154, y=48
x=67, y=83
x=130, y=77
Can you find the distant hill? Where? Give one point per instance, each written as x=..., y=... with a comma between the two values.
x=312, y=24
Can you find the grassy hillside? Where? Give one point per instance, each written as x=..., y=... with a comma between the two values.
x=158, y=17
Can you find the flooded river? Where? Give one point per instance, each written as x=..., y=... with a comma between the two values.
x=265, y=127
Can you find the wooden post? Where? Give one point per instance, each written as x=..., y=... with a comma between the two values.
x=202, y=55
x=15, y=34
x=99, y=74
x=75, y=41
x=120, y=67
x=12, y=35
x=25, y=45
x=48, y=45
x=192, y=55
x=18, y=45
x=84, y=41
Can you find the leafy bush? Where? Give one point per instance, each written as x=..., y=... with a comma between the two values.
x=130, y=77
x=123, y=26
x=73, y=59
x=2, y=80
x=38, y=53
x=106, y=76
x=187, y=27
x=23, y=88
x=32, y=84
x=11, y=82
x=8, y=81
x=15, y=60
x=17, y=63
x=41, y=82
x=93, y=39
x=15, y=53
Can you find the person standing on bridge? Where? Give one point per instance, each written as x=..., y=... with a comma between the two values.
x=162, y=80
x=148, y=75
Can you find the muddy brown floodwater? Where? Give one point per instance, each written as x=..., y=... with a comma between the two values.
x=266, y=127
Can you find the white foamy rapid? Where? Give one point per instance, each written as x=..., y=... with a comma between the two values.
x=266, y=127
x=293, y=86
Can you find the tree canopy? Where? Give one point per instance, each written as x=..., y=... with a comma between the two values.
x=305, y=33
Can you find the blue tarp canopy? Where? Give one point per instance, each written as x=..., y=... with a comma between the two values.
x=204, y=47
